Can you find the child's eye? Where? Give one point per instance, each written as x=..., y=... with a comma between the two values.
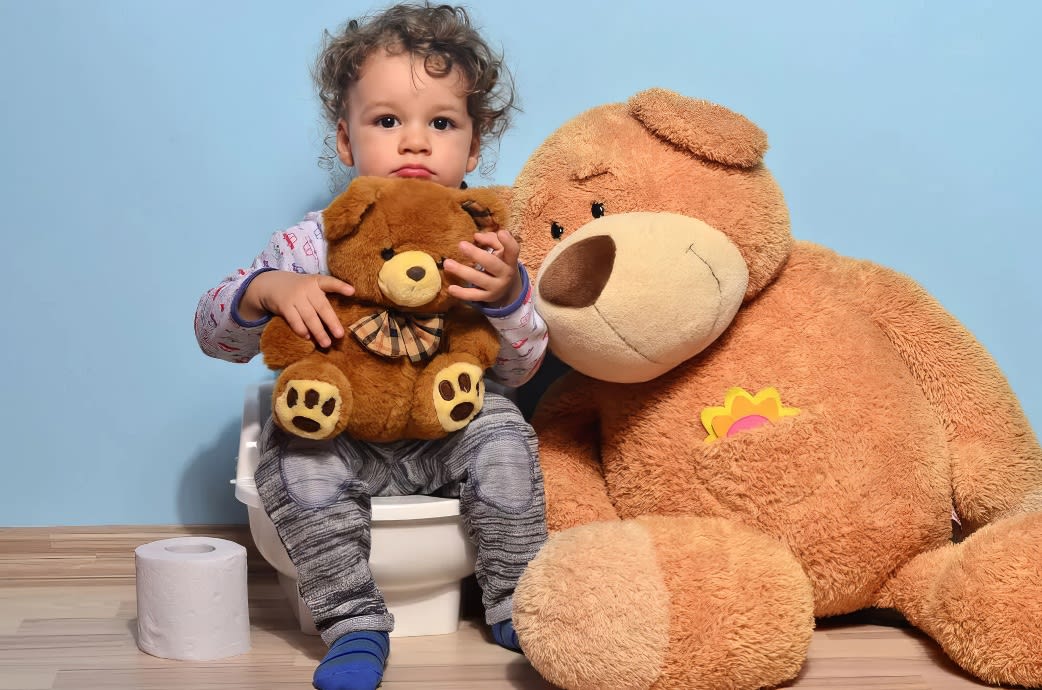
x=441, y=123
x=387, y=121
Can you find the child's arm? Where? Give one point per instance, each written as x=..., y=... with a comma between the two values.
x=230, y=317
x=500, y=289
x=492, y=278
x=522, y=334
x=299, y=299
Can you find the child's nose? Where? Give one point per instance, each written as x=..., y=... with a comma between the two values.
x=414, y=139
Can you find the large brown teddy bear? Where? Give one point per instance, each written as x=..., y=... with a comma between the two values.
x=412, y=360
x=762, y=431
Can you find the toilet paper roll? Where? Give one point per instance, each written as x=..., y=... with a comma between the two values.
x=191, y=598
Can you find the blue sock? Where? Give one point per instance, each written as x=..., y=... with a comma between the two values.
x=354, y=662
x=505, y=636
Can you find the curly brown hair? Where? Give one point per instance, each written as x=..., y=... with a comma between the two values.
x=443, y=37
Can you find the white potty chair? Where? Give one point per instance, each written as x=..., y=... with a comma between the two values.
x=419, y=555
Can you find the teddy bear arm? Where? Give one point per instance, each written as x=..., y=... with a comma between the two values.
x=997, y=461
x=474, y=335
x=281, y=346
x=569, y=454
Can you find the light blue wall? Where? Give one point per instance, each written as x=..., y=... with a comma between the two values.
x=148, y=148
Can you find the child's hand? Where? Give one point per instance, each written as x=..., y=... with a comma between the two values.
x=300, y=299
x=494, y=277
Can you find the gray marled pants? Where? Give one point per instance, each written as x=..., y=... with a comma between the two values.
x=317, y=494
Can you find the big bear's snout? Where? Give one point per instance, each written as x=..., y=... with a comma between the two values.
x=638, y=293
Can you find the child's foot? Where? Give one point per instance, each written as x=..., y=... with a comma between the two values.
x=505, y=636
x=354, y=662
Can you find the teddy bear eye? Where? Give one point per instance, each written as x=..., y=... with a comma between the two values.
x=440, y=263
x=597, y=209
x=556, y=230
x=387, y=254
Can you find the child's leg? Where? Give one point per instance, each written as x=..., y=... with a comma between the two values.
x=496, y=460
x=321, y=510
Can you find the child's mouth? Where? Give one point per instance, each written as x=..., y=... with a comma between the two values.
x=413, y=171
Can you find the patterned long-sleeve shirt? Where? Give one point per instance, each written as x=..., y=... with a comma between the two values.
x=224, y=334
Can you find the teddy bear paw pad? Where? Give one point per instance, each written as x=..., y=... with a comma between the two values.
x=309, y=409
x=459, y=391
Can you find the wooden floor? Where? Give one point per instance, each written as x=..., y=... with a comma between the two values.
x=75, y=628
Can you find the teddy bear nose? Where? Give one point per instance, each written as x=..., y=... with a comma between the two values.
x=416, y=273
x=576, y=277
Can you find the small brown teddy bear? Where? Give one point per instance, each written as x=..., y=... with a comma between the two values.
x=412, y=360
x=762, y=432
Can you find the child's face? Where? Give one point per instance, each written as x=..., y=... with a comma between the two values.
x=401, y=122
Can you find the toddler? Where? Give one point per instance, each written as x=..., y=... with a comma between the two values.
x=414, y=92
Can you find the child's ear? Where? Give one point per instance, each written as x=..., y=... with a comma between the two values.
x=486, y=206
x=345, y=214
x=475, y=152
x=343, y=145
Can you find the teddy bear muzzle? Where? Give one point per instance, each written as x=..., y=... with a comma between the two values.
x=410, y=279
x=629, y=296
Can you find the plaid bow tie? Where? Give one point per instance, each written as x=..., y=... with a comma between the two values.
x=394, y=334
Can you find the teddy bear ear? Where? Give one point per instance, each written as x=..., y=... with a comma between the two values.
x=487, y=206
x=344, y=215
x=705, y=129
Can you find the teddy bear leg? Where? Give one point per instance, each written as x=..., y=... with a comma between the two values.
x=981, y=600
x=450, y=393
x=664, y=603
x=312, y=399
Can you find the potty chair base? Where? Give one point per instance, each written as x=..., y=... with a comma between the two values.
x=433, y=611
